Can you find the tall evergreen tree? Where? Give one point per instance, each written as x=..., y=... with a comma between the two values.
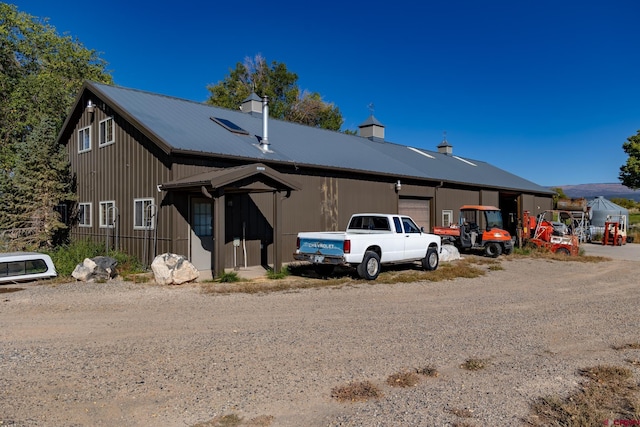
x=40, y=183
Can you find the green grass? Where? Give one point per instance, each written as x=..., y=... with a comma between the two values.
x=67, y=257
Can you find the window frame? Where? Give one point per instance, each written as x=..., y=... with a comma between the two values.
x=447, y=213
x=111, y=127
x=82, y=209
x=81, y=140
x=139, y=225
x=103, y=213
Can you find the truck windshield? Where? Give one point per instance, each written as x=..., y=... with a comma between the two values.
x=494, y=219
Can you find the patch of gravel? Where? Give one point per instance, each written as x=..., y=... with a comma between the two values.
x=120, y=353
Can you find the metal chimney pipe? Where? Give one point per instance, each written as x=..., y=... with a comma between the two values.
x=265, y=126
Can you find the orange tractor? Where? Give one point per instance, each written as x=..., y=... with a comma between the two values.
x=479, y=229
x=552, y=230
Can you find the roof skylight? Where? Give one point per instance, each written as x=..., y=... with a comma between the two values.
x=229, y=125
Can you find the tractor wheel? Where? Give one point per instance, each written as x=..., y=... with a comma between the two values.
x=508, y=251
x=493, y=250
x=369, y=268
x=619, y=242
x=431, y=260
x=562, y=251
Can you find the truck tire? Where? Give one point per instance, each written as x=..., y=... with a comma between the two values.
x=493, y=250
x=431, y=260
x=369, y=268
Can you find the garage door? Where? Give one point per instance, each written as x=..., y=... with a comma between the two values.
x=418, y=209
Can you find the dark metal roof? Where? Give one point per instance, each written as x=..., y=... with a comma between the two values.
x=179, y=125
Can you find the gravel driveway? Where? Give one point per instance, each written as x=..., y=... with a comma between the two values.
x=138, y=355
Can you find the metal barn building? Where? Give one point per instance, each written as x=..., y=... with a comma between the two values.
x=227, y=187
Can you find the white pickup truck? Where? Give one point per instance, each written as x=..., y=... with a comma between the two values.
x=371, y=239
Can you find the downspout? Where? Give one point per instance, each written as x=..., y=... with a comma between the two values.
x=435, y=196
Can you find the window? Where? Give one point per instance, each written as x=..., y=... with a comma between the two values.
x=106, y=132
x=447, y=218
x=143, y=213
x=409, y=225
x=84, y=139
x=22, y=268
x=84, y=214
x=107, y=214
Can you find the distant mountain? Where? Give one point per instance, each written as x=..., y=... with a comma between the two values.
x=608, y=191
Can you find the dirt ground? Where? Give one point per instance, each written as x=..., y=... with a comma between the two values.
x=120, y=353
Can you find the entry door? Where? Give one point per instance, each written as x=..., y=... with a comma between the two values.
x=201, y=234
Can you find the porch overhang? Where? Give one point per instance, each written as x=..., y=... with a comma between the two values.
x=251, y=178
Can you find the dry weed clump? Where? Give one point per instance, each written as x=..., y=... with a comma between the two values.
x=356, y=392
x=609, y=393
x=428, y=371
x=234, y=420
x=628, y=346
x=474, y=364
x=403, y=379
x=462, y=413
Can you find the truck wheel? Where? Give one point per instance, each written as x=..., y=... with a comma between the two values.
x=431, y=260
x=493, y=250
x=369, y=268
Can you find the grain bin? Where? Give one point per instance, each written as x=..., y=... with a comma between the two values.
x=601, y=207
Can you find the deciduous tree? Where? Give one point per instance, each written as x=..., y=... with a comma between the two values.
x=275, y=81
x=40, y=75
x=630, y=172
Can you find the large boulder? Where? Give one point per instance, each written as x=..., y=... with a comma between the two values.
x=172, y=269
x=98, y=268
x=449, y=253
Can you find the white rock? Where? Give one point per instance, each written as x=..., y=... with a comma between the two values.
x=173, y=269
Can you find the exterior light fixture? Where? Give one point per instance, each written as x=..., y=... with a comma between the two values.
x=90, y=107
x=398, y=186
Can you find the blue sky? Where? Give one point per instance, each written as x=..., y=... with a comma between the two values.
x=547, y=90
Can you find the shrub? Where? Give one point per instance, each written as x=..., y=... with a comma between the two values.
x=67, y=257
x=229, y=277
x=284, y=272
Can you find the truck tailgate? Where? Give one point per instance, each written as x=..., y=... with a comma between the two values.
x=322, y=243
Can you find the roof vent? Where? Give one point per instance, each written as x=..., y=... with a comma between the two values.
x=444, y=147
x=252, y=104
x=372, y=129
